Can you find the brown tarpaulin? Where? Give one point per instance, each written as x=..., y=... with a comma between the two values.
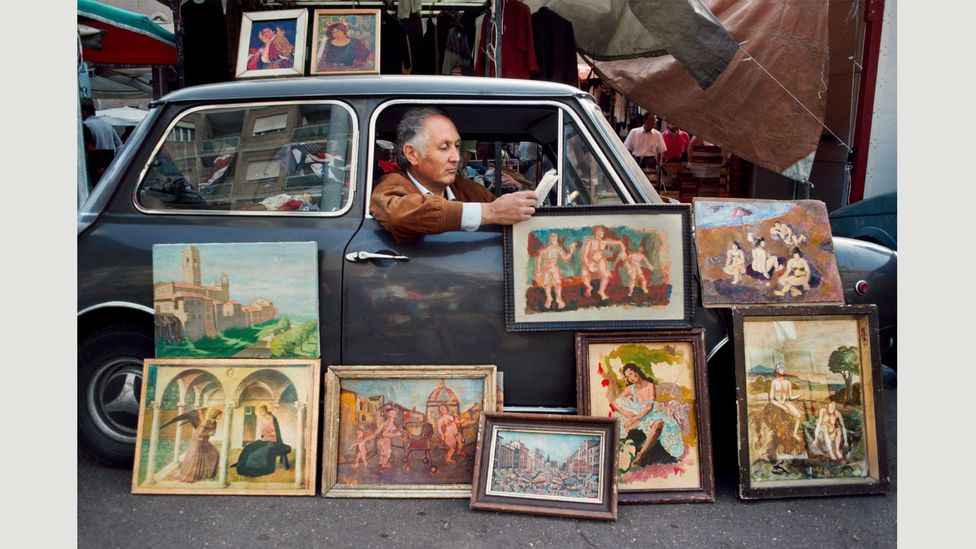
x=745, y=111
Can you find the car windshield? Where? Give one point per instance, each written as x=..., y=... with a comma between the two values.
x=593, y=110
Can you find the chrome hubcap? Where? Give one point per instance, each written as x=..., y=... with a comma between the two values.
x=113, y=398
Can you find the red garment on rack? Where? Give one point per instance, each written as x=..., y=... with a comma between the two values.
x=518, y=44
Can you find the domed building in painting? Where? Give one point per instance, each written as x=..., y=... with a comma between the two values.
x=442, y=395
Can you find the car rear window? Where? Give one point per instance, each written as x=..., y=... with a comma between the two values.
x=257, y=158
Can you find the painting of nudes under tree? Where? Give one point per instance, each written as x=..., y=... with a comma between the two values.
x=810, y=401
x=605, y=268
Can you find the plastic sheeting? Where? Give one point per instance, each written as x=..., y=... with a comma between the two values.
x=776, y=125
x=622, y=29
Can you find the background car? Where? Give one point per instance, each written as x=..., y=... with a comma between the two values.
x=873, y=219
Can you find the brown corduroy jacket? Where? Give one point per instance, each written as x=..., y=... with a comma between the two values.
x=401, y=209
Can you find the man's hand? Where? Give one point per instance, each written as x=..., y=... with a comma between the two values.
x=509, y=209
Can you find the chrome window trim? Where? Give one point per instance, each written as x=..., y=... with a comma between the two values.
x=123, y=304
x=354, y=142
x=559, y=159
x=559, y=105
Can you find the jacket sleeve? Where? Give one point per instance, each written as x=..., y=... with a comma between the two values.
x=407, y=215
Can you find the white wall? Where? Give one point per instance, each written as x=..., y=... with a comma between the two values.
x=882, y=168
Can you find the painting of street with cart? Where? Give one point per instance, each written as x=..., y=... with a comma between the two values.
x=765, y=252
x=810, y=414
x=403, y=430
x=243, y=300
x=552, y=465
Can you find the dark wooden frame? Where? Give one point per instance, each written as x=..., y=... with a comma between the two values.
x=687, y=300
x=607, y=510
x=879, y=482
x=705, y=493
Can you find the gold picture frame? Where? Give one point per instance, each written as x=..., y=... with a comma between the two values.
x=262, y=415
x=359, y=50
x=403, y=431
x=272, y=43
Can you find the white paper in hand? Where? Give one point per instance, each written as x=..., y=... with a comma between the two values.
x=544, y=186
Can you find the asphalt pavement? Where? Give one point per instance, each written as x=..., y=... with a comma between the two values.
x=109, y=516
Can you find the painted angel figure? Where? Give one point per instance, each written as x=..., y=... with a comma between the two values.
x=201, y=458
x=547, y=269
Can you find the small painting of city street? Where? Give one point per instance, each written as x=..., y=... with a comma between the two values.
x=402, y=431
x=765, y=252
x=593, y=267
x=650, y=388
x=551, y=465
x=253, y=300
x=809, y=400
x=227, y=426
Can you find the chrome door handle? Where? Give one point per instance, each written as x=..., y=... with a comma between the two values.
x=357, y=257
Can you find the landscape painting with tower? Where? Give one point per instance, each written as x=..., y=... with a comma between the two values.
x=227, y=426
x=249, y=300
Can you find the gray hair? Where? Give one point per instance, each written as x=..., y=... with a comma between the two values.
x=410, y=131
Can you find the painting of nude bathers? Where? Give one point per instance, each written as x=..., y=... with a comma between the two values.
x=403, y=431
x=810, y=410
x=546, y=464
x=599, y=267
x=653, y=383
x=765, y=252
x=227, y=427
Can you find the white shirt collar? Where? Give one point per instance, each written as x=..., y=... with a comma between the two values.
x=449, y=194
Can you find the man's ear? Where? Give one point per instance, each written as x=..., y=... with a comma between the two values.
x=411, y=154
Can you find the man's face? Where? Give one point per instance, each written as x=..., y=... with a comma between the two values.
x=672, y=128
x=435, y=166
x=649, y=122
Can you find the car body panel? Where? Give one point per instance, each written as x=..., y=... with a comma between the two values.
x=873, y=219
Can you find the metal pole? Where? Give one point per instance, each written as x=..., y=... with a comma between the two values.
x=498, y=15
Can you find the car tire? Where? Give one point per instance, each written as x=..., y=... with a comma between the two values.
x=109, y=388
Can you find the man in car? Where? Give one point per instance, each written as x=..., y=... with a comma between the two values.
x=428, y=197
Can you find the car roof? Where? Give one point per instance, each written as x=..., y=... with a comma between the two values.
x=347, y=86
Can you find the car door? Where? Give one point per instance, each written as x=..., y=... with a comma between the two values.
x=440, y=299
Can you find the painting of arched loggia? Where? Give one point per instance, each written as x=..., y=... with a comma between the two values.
x=227, y=426
x=242, y=300
x=754, y=252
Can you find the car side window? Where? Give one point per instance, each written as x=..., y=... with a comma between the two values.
x=585, y=178
x=280, y=158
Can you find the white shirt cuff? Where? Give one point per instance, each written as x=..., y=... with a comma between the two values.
x=471, y=216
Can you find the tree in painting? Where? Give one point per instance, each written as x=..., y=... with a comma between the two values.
x=846, y=362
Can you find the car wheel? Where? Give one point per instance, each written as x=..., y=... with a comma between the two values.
x=109, y=389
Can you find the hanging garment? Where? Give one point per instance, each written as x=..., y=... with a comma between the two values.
x=427, y=60
x=414, y=27
x=518, y=43
x=456, y=54
x=393, y=46
x=204, y=43
x=555, y=47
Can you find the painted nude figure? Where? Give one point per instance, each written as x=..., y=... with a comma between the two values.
x=780, y=395
x=361, y=445
x=763, y=262
x=449, y=427
x=735, y=261
x=634, y=264
x=831, y=432
x=547, y=268
x=594, y=257
x=785, y=233
x=797, y=275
